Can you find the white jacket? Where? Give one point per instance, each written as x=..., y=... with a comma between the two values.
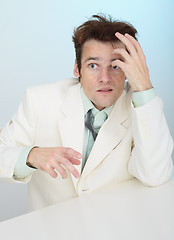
x=133, y=142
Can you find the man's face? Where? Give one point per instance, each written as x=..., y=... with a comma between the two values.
x=102, y=83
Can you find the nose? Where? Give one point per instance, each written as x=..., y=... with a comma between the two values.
x=104, y=76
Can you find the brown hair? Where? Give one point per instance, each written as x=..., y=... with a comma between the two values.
x=99, y=28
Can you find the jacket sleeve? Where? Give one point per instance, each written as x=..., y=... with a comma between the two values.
x=151, y=161
x=17, y=134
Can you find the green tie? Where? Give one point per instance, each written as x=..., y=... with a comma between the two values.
x=99, y=119
x=88, y=124
x=95, y=125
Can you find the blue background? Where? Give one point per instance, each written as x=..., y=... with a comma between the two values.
x=36, y=47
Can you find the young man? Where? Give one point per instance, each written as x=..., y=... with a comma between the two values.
x=78, y=135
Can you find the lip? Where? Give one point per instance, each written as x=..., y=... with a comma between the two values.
x=105, y=90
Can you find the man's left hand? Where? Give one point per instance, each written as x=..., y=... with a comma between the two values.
x=133, y=63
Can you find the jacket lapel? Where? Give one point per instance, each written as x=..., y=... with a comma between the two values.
x=71, y=129
x=110, y=135
x=71, y=123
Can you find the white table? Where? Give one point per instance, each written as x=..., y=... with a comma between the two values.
x=121, y=212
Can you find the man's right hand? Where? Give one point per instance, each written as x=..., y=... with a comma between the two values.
x=50, y=159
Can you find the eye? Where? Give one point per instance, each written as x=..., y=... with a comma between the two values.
x=115, y=67
x=93, y=65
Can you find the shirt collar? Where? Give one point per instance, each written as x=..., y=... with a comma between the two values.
x=89, y=105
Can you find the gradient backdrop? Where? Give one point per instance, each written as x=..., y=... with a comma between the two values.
x=36, y=48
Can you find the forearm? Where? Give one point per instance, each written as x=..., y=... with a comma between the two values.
x=8, y=159
x=151, y=161
x=15, y=137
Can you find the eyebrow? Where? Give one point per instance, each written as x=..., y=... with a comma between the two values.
x=97, y=59
x=92, y=58
x=114, y=59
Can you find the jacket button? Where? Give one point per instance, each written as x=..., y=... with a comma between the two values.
x=84, y=190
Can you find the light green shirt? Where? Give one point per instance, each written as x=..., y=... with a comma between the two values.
x=21, y=169
x=138, y=98
x=141, y=98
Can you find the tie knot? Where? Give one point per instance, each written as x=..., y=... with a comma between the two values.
x=99, y=119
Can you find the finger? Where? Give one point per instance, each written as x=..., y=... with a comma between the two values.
x=71, y=152
x=123, y=54
x=65, y=162
x=127, y=42
x=72, y=155
x=52, y=173
x=61, y=170
x=134, y=42
x=137, y=46
x=74, y=161
x=120, y=64
x=48, y=169
x=60, y=156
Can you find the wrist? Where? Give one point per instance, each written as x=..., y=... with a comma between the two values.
x=29, y=161
x=142, y=88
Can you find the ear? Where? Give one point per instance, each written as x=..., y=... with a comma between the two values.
x=76, y=70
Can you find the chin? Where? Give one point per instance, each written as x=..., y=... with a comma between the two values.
x=100, y=106
x=104, y=106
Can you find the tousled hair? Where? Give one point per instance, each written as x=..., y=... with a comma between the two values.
x=99, y=28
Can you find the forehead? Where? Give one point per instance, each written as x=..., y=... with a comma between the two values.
x=95, y=48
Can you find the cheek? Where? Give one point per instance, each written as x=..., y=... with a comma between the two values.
x=121, y=74
x=82, y=81
x=119, y=80
x=87, y=82
x=86, y=85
